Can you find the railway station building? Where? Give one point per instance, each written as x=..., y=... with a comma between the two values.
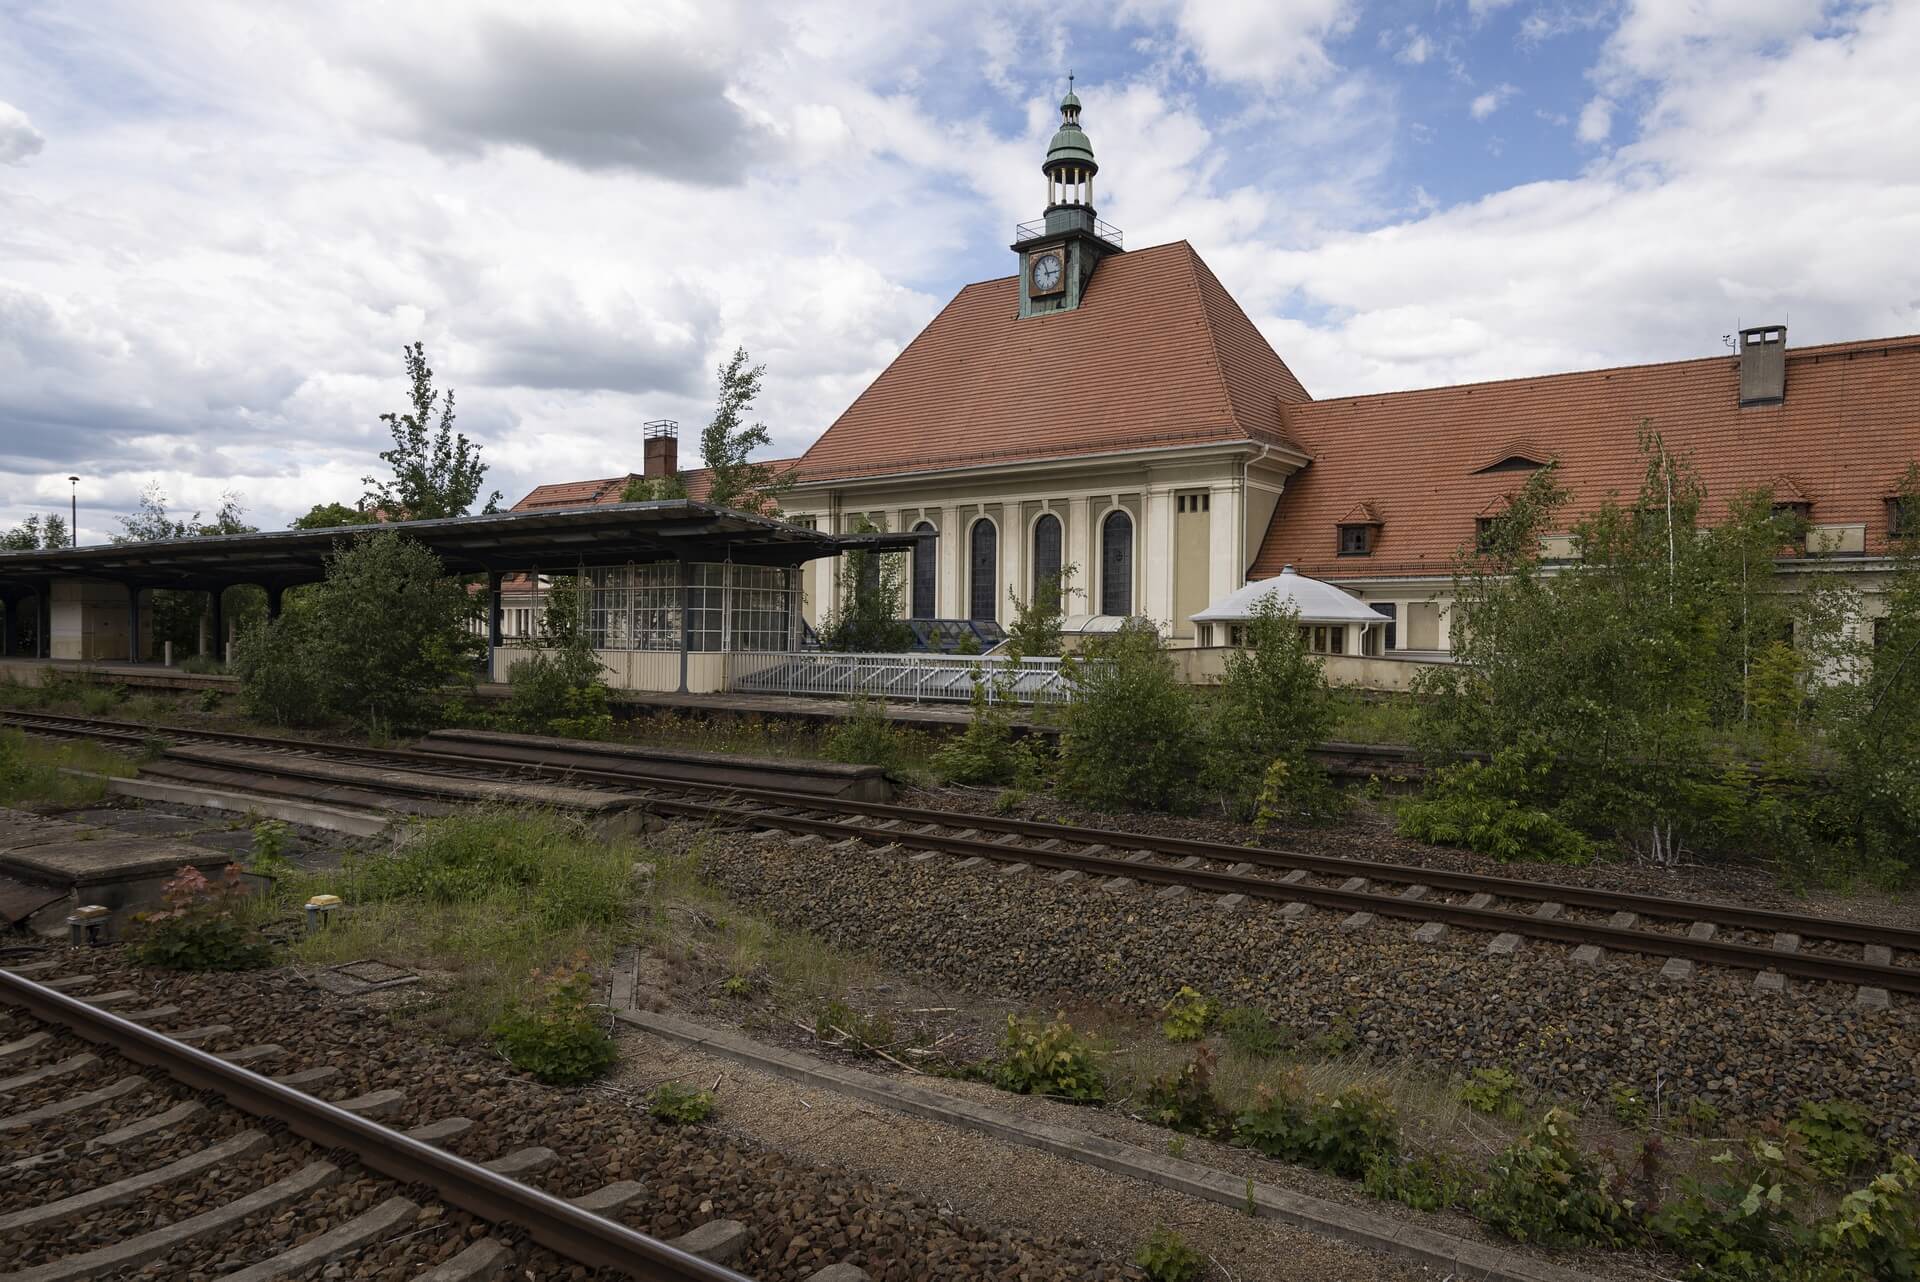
x=1115, y=411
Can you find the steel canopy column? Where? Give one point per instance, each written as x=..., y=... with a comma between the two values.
x=494, y=582
x=218, y=624
x=133, y=624
x=276, y=593
x=44, y=607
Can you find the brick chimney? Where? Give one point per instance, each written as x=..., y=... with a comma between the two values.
x=660, y=456
x=1763, y=365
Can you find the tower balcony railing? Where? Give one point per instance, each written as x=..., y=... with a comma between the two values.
x=1038, y=227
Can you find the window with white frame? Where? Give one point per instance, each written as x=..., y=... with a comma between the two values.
x=761, y=601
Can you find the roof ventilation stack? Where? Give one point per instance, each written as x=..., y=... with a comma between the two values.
x=1763, y=365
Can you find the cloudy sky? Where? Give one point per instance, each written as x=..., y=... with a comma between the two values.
x=219, y=223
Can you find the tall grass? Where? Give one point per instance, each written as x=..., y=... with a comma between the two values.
x=484, y=898
x=31, y=771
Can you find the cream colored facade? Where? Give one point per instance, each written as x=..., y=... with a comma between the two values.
x=1198, y=514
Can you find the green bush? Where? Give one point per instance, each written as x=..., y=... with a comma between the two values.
x=555, y=1034
x=987, y=752
x=1050, y=1060
x=1345, y=1133
x=1836, y=1136
x=867, y=737
x=1436, y=1183
x=1495, y=1091
x=1183, y=1099
x=559, y=692
x=98, y=701
x=680, y=1105
x=1628, y=1106
x=1132, y=737
x=1272, y=706
x=1474, y=805
x=202, y=927
x=1251, y=1032
x=1544, y=1190
x=375, y=643
x=1166, y=1257
x=1188, y=1016
x=1877, y=1228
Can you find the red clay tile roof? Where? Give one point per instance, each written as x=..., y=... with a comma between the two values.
x=698, y=480
x=1849, y=426
x=1157, y=353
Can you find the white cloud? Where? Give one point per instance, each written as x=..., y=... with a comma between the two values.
x=19, y=140
x=1492, y=100
x=1596, y=120
x=1730, y=207
x=1274, y=46
x=1416, y=50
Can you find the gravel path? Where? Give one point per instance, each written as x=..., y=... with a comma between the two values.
x=1568, y=1029
x=802, y=1216
x=987, y=1179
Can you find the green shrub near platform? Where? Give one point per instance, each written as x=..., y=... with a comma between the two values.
x=205, y=926
x=1132, y=737
x=555, y=1033
x=1051, y=1060
x=1166, y=1257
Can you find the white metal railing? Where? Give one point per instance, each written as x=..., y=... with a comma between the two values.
x=914, y=677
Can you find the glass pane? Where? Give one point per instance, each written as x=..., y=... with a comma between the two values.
x=1116, y=563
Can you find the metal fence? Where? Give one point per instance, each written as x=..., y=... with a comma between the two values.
x=915, y=677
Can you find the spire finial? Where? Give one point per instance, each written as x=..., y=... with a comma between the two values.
x=1069, y=79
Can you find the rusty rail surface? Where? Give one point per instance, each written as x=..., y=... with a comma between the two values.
x=582, y=1236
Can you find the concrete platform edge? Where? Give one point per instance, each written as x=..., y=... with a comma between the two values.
x=1456, y=1257
x=354, y=823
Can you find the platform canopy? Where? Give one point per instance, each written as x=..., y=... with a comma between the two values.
x=613, y=534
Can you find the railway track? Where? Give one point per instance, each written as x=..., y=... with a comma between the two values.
x=1776, y=945
x=224, y=1148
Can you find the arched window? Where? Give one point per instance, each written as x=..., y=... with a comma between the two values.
x=1046, y=552
x=1116, y=563
x=983, y=574
x=923, y=572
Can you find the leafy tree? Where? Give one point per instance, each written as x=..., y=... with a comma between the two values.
x=642, y=489
x=328, y=516
x=1273, y=705
x=373, y=643
x=437, y=471
x=867, y=617
x=728, y=442
x=36, y=533
x=1036, y=620
x=1131, y=736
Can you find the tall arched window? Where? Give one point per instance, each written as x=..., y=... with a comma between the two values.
x=1046, y=551
x=923, y=571
x=1116, y=563
x=983, y=571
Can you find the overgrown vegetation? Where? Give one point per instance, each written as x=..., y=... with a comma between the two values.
x=866, y=618
x=204, y=926
x=1666, y=693
x=1272, y=706
x=489, y=896
x=1049, y=1059
x=680, y=1105
x=374, y=644
x=1166, y=1257
x=554, y=1031
x=33, y=772
x=1132, y=735
x=560, y=688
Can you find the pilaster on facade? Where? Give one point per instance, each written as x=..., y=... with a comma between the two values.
x=1079, y=545
x=1226, y=540
x=950, y=561
x=1155, y=539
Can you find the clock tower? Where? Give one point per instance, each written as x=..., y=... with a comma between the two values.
x=1059, y=252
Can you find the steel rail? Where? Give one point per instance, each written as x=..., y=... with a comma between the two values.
x=1733, y=915
x=1904, y=979
x=582, y=1236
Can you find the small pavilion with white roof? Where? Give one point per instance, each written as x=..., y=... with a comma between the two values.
x=1331, y=620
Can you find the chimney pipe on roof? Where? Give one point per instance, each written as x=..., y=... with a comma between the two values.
x=660, y=449
x=1763, y=365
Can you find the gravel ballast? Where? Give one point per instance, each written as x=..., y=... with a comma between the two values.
x=1572, y=1030
x=801, y=1217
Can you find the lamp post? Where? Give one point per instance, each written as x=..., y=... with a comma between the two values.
x=73, y=521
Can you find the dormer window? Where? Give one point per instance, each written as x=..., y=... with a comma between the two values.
x=1485, y=530
x=1514, y=456
x=1358, y=529
x=1793, y=510
x=1903, y=516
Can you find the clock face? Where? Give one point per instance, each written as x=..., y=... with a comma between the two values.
x=1046, y=273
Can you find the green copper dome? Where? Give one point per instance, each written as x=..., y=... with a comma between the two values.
x=1070, y=145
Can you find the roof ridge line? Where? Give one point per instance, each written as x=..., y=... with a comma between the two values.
x=1213, y=340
